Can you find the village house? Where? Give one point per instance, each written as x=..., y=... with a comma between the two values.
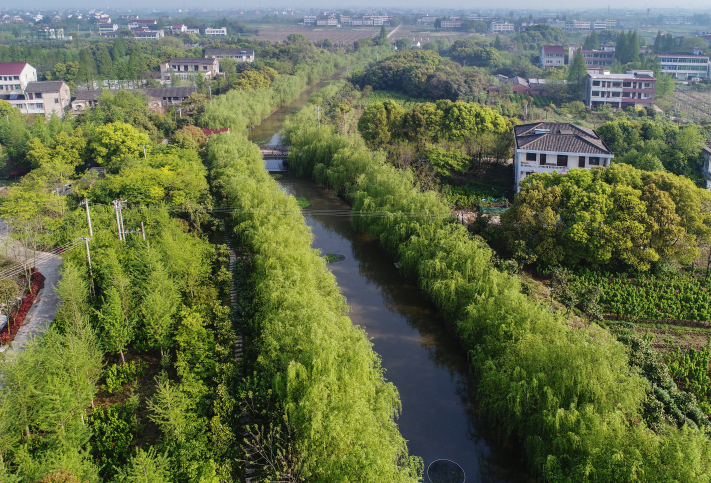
x=14, y=76
x=157, y=98
x=137, y=24
x=44, y=97
x=221, y=32
x=548, y=147
x=551, y=56
x=635, y=88
x=240, y=55
x=188, y=68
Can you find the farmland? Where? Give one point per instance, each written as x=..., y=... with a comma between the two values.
x=695, y=105
x=279, y=33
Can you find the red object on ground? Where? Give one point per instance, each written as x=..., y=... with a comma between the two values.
x=210, y=132
x=14, y=322
x=19, y=171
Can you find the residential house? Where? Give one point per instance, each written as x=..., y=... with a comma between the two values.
x=321, y=22
x=187, y=68
x=593, y=58
x=240, y=55
x=518, y=85
x=108, y=29
x=178, y=28
x=685, y=66
x=14, y=76
x=501, y=27
x=309, y=19
x=707, y=165
x=157, y=97
x=192, y=31
x=451, y=24
x=44, y=97
x=426, y=20
x=221, y=32
x=551, y=56
x=137, y=24
x=143, y=34
x=548, y=147
x=635, y=88
x=50, y=33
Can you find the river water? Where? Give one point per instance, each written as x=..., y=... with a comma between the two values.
x=440, y=418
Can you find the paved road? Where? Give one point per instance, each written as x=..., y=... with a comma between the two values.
x=44, y=309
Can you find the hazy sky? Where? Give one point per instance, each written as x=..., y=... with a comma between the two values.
x=385, y=4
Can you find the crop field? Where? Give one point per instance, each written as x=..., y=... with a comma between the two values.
x=695, y=105
x=337, y=35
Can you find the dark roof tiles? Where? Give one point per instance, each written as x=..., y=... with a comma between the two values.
x=561, y=137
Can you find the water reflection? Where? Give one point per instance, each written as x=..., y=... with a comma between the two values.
x=440, y=418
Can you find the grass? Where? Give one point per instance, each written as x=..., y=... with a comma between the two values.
x=303, y=202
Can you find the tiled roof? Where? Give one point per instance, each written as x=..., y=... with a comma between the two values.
x=562, y=138
x=12, y=68
x=44, y=86
x=517, y=81
x=553, y=49
x=250, y=52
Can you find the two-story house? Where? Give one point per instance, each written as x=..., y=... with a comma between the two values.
x=14, y=76
x=593, y=58
x=547, y=147
x=188, y=68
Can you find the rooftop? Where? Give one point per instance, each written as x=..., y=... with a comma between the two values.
x=44, y=86
x=12, y=68
x=554, y=49
x=192, y=60
x=646, y=77
x=559, y=137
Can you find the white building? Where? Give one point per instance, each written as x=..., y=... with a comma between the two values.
x=148, y=34
x=14, y=76
x=551, y=147
x=635, y=88
x=186, y=68
x=684, y=66
x=192, y=31
x=599, y=25
x=137, y=24
x=239, y=55
x=551, y=56
x=309, y=19
x=221, y=32
x=501, y=27
x=451, y=24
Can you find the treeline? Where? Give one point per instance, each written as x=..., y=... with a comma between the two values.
x=570, y=395
x=422, y=74
x=334, y=410
x=241, y=109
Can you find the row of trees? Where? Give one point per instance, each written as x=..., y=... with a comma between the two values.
x=544, y=382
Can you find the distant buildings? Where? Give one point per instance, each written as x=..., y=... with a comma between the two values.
x=635, y=88
x=14, y=76
x=239, y=55
x=501, y=27
x=188, y=68
x=551, y=56
x=50, y=33
x=157, y=97
x=686, y=65
x=677, y=20
x=548, y=147
x=136, y=24
x=593, y=58
x=221, y=32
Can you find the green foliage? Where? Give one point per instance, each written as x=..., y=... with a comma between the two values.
x=302, y=202
x=567, y=394
x=113, y=431
x=468, y=197
x=119, y=374
x=608, y=217
x=146, y=467
x=116, y=141
x=577, y=74
x=321, y=368
x=692, y=369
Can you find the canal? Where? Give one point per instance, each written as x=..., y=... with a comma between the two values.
x=440, y=417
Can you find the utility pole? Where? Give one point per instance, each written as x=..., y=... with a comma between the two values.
x=118, y=222
x=144, y=151
x=88, y=259
x=318, y=110
x=88, y=215
x=123, y=229
x=143, y=231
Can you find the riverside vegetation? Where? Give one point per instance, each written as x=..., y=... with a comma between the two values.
x=582, y=407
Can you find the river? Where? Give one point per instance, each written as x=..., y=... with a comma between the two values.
x=440, y=418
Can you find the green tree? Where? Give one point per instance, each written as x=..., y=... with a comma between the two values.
x=622, y=49
x=577, y=75
x=115, y=141
x=114, y=325
x=147, y=467
x=591, y=42
x=497, y=43
x=158, y=306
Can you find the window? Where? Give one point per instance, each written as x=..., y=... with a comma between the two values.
x=38, y=95
x=17, y=77
x=596, y=93
x=56, y=101
x=530, y=156
x=543, y=159
x=617, y=84
x=626, y=84
x=594, y=161
x=615, y=94
x=581, y=161
x=596, y=83
x=562, y=160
